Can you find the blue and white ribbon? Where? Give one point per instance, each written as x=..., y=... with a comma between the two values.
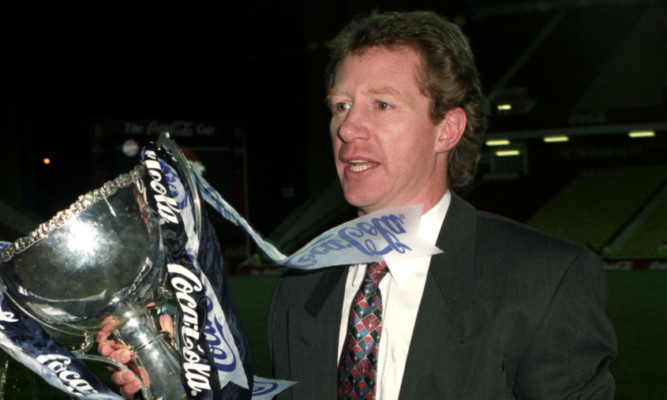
x=226, y=346
x=391, y=232
x=219, y=337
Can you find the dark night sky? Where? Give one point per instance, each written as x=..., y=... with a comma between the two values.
x=257, y=63
x=209, y=61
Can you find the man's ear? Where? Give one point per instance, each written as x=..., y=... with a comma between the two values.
x=451, y=129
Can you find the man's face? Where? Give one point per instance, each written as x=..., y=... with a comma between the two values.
x=386, y=147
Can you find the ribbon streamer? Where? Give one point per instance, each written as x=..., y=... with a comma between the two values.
x=227, y=346
x=391, y=232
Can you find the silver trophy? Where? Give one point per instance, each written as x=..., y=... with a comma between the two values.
x=99, y=261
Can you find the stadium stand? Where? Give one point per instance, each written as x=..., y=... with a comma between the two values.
x=646, y=233
x=599, y=203
x=518, y=199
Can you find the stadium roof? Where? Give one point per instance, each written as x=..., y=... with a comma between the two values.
x=588, y=69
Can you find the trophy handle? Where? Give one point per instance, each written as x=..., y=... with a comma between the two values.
x=185, y=171
x=145, y=392
x=137, y=329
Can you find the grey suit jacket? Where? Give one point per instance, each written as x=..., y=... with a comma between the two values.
x=507, y=313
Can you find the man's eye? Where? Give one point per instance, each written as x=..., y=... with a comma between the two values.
x=341, y=107
x=383, y=106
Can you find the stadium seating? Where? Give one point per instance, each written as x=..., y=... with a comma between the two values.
x=600, y=203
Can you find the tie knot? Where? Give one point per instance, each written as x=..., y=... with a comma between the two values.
x=377, y=271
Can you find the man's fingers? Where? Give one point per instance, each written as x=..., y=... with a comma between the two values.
x=105, y=348
x=167, y=325
x=128, y=382
x=102, y=335
x=122, y=355
x=122, y=378
x=108, y=324
x=130, y=389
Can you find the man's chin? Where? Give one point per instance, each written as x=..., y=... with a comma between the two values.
x=363, y=204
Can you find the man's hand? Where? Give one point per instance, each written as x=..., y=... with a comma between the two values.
x=127, y=381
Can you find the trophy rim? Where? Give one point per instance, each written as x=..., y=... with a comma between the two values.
x=62, y=217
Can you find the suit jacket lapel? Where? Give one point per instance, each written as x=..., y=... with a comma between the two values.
x=313, y=334
x=448, y=314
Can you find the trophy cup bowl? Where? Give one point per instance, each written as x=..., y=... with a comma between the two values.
x=99, y=260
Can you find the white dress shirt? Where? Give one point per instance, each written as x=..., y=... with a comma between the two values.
x=401, y=291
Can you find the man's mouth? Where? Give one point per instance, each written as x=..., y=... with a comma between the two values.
x=360, y=165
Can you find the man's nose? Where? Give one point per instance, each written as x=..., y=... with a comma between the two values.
x=354, y=126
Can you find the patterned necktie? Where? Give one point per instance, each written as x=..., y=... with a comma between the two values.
x=358, y=364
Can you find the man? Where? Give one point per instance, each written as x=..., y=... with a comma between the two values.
x=504, y=312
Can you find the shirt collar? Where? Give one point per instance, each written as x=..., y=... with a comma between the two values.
x=429, y=229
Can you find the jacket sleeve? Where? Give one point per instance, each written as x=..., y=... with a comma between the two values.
x=569, y=354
